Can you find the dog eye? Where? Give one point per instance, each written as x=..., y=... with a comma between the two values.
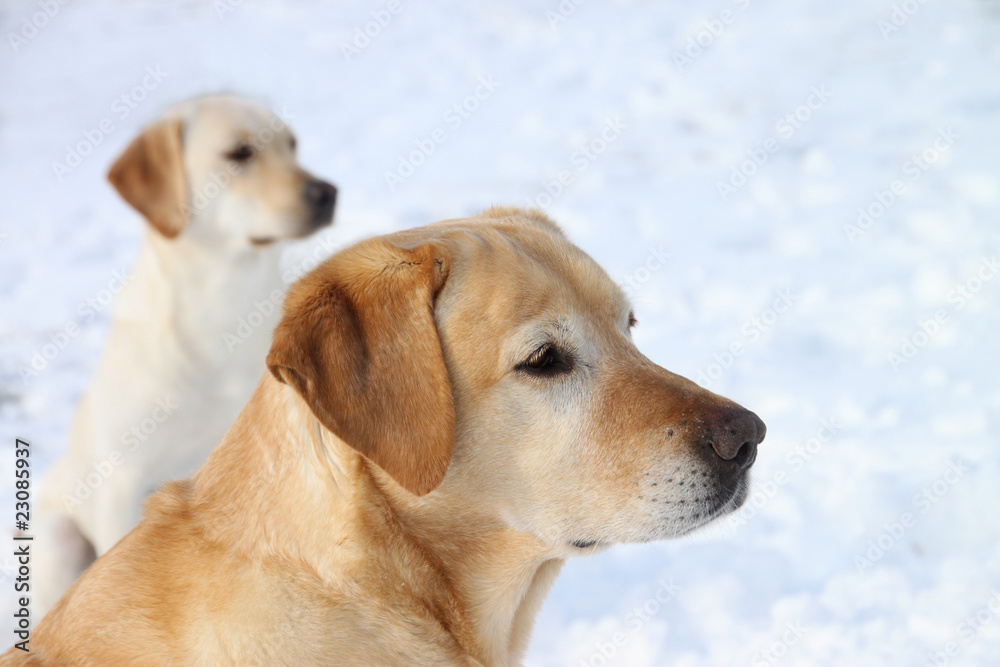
x=292, y=143
x=241, y=153
x=631, y=320
x=546, y=361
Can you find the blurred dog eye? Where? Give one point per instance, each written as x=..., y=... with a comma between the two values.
x=546, y=361
x=292, y=143
x=241, y=153
x=632, y=321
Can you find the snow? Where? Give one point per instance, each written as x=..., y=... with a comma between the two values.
x=856, y=448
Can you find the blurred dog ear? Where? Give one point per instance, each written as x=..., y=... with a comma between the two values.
x=359, y=343
x=149, y=175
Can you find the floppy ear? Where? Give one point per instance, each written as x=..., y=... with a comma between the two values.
x=359, y=343
x=149, y=175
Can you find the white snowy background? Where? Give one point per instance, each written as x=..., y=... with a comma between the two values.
x=819, y=568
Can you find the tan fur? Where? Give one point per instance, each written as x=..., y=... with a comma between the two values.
x=325, y=529
x=360, y=346
x=149, y=175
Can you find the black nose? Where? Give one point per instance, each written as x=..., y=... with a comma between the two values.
x=734, y=434
x=322, y=197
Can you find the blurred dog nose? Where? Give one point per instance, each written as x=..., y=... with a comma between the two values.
x=322, y=197
x=734, y=434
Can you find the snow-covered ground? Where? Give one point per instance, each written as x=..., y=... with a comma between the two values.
x=741, y=138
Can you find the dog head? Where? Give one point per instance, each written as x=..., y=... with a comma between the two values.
x=488, y=364
x=222, y=170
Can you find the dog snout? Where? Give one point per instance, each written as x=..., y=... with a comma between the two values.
x=733, y=434
x=322, y=198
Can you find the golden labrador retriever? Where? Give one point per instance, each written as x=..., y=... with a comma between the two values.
x=219, y=184
x=451, y=412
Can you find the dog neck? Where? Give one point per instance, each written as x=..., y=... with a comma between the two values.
x=499, y=576
x=170, y=306
x=307, y=495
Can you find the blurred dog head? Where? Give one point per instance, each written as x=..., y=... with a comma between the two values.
x=222, y=170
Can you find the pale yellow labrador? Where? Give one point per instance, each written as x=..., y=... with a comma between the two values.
x=219, y=184
x=451, y=411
